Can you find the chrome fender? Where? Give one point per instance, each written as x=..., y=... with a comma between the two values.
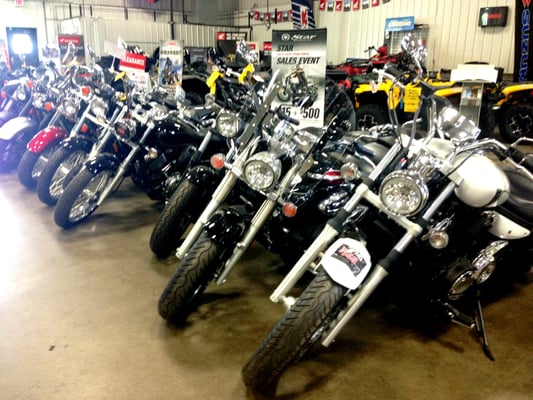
x=17, y=126
x=347, y=262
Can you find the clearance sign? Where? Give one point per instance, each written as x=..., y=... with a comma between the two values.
x=523, y=46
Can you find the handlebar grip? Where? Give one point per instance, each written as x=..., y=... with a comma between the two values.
x=284, y=116
x=525, y=160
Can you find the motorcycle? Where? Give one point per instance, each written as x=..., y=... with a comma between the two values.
x=17, y=132
x=271, y=169
x=296, y=87
x=151, y=156
x=230, y=130
x=72, y=102
x=437, y=214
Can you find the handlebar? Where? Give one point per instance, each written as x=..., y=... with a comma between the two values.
x=286, y=117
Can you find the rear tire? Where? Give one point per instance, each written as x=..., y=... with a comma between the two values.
x=78, y=201
x=182, y=208
x=59, y=170
x=284, y=94
x=295, y=334
x=193, y=275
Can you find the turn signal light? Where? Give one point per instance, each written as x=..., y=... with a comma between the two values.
x=85, y=90
x=48, y=106
x=84, y=128
x=289, y=210
x=218, y=160
x=3, y=94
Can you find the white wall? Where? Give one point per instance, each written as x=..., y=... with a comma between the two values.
x=453, y=39
x=454, y=36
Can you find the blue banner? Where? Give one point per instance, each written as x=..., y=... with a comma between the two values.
x=302, y=14
x=399, y=24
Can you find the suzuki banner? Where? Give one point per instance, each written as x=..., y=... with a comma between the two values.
x=523, y=51
x=300, y=58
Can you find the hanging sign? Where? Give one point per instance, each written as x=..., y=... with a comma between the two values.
x=300, y=58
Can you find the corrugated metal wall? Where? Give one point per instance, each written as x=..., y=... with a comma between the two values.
x=454, y=35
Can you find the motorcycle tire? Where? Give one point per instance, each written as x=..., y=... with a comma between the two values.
x=194, y=273
x=182, y=208
x=516, y=122
x=61, y=167
x=80, y=197
x=284, y=94
x=295, y=334
x=31, y=165
x=10, y=154
x=369, y=115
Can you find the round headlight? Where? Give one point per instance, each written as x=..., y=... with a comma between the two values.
x=126, y=128
x=70, y=108
x=228, y=124
x=262, y=171
x=99, y=109
x=403, y=193
x=20, y=94
x=38, y=100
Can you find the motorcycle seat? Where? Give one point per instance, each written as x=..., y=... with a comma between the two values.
x=519, y=205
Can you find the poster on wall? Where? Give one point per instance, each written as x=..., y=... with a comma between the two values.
x=523, y=50
x=300, y=59
x=227, y=44
x=170, y=65
x=71, y=50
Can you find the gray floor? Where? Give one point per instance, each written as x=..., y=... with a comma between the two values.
x=78, y=320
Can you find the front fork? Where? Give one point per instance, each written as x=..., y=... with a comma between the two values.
x=123, y=167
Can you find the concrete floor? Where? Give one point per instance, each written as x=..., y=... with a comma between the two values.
x=78, y=320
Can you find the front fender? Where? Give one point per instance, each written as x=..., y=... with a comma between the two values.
x=347, y=262
x=18, y=126
x=225, y=227
x=77, y=142
x=103, y=162
x=46, y=137
x=203, y=175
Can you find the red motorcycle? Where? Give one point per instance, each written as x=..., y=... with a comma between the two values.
x=360, y=66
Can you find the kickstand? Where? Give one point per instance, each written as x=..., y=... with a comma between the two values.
x=480, y=328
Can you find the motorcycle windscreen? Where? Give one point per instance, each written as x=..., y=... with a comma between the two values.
x=347, y=262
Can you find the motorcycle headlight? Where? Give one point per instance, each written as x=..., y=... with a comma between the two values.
x=38, y=100
x=70, y=108
x=20, y=94
x=262, y=171
x=228, y=124
x=403, y=193
x=126, y=128
x=99, y=109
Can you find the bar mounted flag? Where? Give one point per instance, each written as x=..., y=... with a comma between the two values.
x=302, y=14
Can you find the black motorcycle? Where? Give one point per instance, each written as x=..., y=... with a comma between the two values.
x=142, y=147
x=275, y=190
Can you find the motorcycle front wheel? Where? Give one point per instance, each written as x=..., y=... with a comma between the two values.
x=32, y=164
x=182, y=208
x=80, y=197
x=57, y=173
x=296, y=333
x=10, y=154
x=190, y=280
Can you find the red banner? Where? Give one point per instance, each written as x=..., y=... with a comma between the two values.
x=133, y=61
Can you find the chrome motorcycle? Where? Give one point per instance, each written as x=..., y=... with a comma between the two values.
x=437, y=214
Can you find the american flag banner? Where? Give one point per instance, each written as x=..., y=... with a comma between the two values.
x=302, y=14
